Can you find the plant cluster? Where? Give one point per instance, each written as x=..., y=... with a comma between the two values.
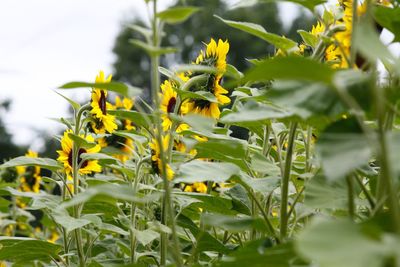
x=293, y=163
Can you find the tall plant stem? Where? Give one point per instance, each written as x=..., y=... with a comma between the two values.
x=166, y=208
x=285, y=181
x=350, y=196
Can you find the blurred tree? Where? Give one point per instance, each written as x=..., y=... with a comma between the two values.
x=132, y=64
x=8, y=149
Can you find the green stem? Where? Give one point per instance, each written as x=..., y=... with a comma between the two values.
x=366, y=192
x=285, y=181
x=350, y=196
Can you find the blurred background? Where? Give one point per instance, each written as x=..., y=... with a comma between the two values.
x=46, y=43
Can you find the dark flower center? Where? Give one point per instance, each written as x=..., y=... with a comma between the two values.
x=81, y=151
x=116, y=141
x=102, y=102
x=171, y=105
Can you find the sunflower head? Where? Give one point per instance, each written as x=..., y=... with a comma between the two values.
x=101, y=121
x=65, y=155
x=214, y=55
x=156, y=160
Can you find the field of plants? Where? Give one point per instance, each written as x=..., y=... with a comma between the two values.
x=294, y=162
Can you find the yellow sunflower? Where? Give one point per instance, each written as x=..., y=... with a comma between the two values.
x=29, y=176
x=65, y=155
x=124, y=145
x=156, y=157
x=101, y=121
x=127, y=104
x=196, y=187
x=215, y=56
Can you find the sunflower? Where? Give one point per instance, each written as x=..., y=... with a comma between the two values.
x=214, y=56
x=65, y=155
x=127, y=104
x=156, y=160
x=29, y=176
x=196, y=187
x=101, y=121
x=122, y=144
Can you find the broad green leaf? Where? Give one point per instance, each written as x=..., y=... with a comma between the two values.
x=81, y=142
x=332, y=243
x=68, y=222
x=197, y=122
x=233, y=72
x=217, y=204
x=234, y=223
x=175, y=15
x=109, y=191
x=197, y=95
x=228, y=150
x=101, y=157
x=153, y=50
x=306, y=100
x=388, y=18
x=45, y=163
x=308, y=38
x=117, y=87
x=182, y=68
x=261, y=164
x=24, y=250
x=217, y=172
x=260, y=32
x=262, y=253
x=343, y=148
x=290, y=68
x=261, y=185
x=240, y=200
x=323, y=194
x=254, y=112
x=205, y=241
x=139, y=119
x=145, y=237
x=368, y=43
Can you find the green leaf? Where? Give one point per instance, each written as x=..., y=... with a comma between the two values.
x=261, y=253
x=175, y=15
x=117, y=87
x=45, y=163
x=217, y=172
x=228, y=150
x=233, y=72
x=23, y=250
x=197, y=95
x=139, y=119
x=308, y=38
x=206, y=202
x=260, y=32
x=368, y=43
x=323, y=194
x=153, y=50
x=261, y=185
x=147, y=33
x=109, y=191
x=145, y=237
x=205, y=241
x=332, y=243
x=342, y=148
x=101, y=157
x=388, y=18
x=306, y=100
x=81, y=142
x=254, y=112
x=234, y=223
x=290, y=68
x=240, y=199
x=68, y=222
x=261, y=164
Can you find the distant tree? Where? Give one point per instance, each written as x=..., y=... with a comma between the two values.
x=132, y=64
x=8, y=149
